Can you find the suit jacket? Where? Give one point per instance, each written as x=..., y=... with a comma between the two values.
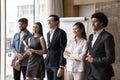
x=103, y=52
x=54, y=57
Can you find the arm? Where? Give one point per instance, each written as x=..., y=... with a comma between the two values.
x=14, y=47
x=81, y=53
x=63, y=41
x=109, y=51
x=109, y=46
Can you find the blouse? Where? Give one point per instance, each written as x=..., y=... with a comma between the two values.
x=75, y=62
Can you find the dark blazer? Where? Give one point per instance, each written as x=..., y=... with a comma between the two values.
x=54, y=57
x=103, y=52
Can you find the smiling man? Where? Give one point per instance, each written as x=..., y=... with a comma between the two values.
x=101, y=49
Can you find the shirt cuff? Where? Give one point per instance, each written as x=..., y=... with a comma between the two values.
x=61, y=66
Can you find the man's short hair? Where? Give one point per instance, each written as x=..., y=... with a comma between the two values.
x=24, y=20
x=101, y=17
x=56, y=18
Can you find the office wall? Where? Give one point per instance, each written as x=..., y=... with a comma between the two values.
x=86, y=11
x=71, y=7
x=81, y=2
x=112, y=10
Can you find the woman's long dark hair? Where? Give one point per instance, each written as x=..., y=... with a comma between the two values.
x=40, y=27
x=81, y=26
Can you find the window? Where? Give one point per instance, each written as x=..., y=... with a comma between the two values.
x=16, y=9
x=11, y=11
x=25, y=10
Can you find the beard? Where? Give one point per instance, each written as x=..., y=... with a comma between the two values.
x=22, y=28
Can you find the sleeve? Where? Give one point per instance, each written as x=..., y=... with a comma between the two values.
x=63, y=41
x=13, y=44
x=81, y=54
x=67, y=48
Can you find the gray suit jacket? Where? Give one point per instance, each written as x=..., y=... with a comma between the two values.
x=103, y=52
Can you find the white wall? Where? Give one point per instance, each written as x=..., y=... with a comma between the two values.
x=66, y=23
x=87, y=11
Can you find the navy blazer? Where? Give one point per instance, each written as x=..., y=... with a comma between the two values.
x=54, y=57
x=103, y=52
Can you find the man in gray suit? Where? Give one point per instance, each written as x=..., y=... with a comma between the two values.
x=101, y=49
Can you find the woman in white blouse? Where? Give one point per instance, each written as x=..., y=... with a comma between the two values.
x=75, y=53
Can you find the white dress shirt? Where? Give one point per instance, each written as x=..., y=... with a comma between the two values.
x=95, y=36
x=52, y=33
x=75, y=62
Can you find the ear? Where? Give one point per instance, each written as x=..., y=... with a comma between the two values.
x=101, y=23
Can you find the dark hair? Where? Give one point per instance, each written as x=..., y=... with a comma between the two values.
x=56, y=18
x=81, y=26
x=101, y=17
x=24, y=20
x=40, y=27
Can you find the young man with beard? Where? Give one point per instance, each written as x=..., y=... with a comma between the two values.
x=20, y=56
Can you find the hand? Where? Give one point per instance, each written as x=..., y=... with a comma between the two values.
x=17, y=62
x=89, y=58
x=67, y=53
x=60, y=72
x=28, y=50
x=20, y=56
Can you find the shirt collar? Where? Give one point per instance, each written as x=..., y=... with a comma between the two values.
x=97, y=32
x=53, y=30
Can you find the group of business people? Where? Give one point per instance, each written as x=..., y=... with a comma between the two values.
x=84, y=59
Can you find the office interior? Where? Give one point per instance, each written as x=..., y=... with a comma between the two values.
x=64, y=9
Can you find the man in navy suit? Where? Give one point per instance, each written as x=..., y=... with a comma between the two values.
x=56, y=39
x=101, y=49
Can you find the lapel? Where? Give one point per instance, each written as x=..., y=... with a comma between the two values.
x=53, y=38
x=98, y=39
x=48, y=39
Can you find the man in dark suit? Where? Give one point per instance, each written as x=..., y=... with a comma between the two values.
x=101, y=49
x=56, y=39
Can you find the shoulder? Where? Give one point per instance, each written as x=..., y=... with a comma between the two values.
x=60, y=30
x=106, y=34
x=41, y=37
x=17, y=34
x=29, y=33
x=84, y=41
x=72, y=40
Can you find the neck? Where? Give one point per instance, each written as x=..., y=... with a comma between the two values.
x=23, y=32
x=77, y=38
x=36, y=35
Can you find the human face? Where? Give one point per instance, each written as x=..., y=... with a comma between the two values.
x=77, y=31
x=22, y=26
x=52, y=23
x=96, y=24
x=36, y=28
